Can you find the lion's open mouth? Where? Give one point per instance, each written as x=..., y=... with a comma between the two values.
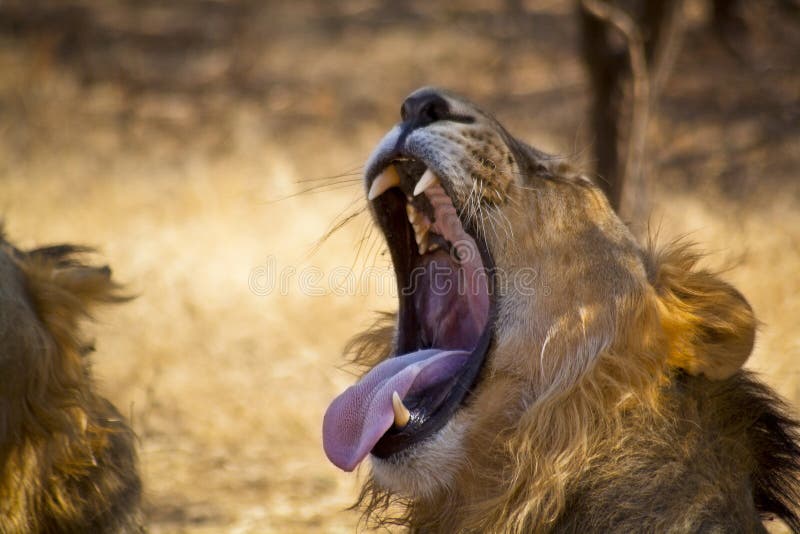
x=444, y=326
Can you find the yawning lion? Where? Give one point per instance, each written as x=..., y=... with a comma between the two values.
x=544, y=372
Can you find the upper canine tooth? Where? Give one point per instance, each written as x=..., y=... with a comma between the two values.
x=385, y=180
x=401, y=413
x=428, y=179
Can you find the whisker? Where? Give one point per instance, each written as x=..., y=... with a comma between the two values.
x=528, y=188
x=374, y=248
x=467, y=208
x=480, y=210
x=363, y=242
x=321, y=188
x=338, y=223
x=366, y=231
x=475, y=201
x=513, y=201
x=508, y=226
x=351, y=176
x=492, y=224
x=366, y=238
x=380, y=250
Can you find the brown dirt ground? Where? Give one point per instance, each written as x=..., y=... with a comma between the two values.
x=162, y=133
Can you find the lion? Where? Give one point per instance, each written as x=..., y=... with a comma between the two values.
x=67, y=456
x=544, y=372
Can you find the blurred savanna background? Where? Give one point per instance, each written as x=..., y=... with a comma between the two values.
x=204, y=147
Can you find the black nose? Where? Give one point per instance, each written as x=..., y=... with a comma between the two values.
x=424, y=108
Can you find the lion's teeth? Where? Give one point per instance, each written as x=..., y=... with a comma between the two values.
x=384, y=181
x=421, y=236
x=413, y=215
x=401, y=413
x=428, y=179
x=420, y=230
x=421, y=226
x=422, y=243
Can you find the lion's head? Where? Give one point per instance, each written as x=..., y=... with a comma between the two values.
x=530, y=326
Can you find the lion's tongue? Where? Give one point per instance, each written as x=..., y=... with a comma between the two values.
x=356, y=419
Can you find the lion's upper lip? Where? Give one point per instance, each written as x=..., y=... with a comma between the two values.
x=445, y=307
x=395, y=148
x=411, y=163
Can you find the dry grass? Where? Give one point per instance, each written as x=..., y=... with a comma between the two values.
x=226, y=388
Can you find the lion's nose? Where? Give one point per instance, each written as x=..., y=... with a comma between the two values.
x=424, y=107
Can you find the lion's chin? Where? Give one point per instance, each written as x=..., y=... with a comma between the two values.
x=426, y=468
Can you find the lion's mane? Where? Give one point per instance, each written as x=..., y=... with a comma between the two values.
x=592, y=440
x=67, y=459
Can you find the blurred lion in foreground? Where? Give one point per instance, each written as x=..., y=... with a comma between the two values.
x=544, y=372
x=67, y=459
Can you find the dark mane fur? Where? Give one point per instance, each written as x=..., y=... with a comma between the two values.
x=708, y=426
x=67, y=456
x=774, y=441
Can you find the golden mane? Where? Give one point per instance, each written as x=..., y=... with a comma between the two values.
x=569, y=425
x=67, y=461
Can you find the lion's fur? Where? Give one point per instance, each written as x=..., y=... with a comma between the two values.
x=67, y=459
x=709, y=325
x=613, y=397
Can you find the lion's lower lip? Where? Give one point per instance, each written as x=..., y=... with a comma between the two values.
x=447, y=401
x=357, y=418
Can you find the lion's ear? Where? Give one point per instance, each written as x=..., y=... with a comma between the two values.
x=710, y=326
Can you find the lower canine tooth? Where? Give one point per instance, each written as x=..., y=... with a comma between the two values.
x=401, y=413
x=422, y=242
x=385, y=180
x=412, y=213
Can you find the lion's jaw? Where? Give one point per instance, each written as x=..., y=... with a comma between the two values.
x=424, y=469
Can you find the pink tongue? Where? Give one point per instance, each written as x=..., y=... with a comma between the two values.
x=357, y=418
